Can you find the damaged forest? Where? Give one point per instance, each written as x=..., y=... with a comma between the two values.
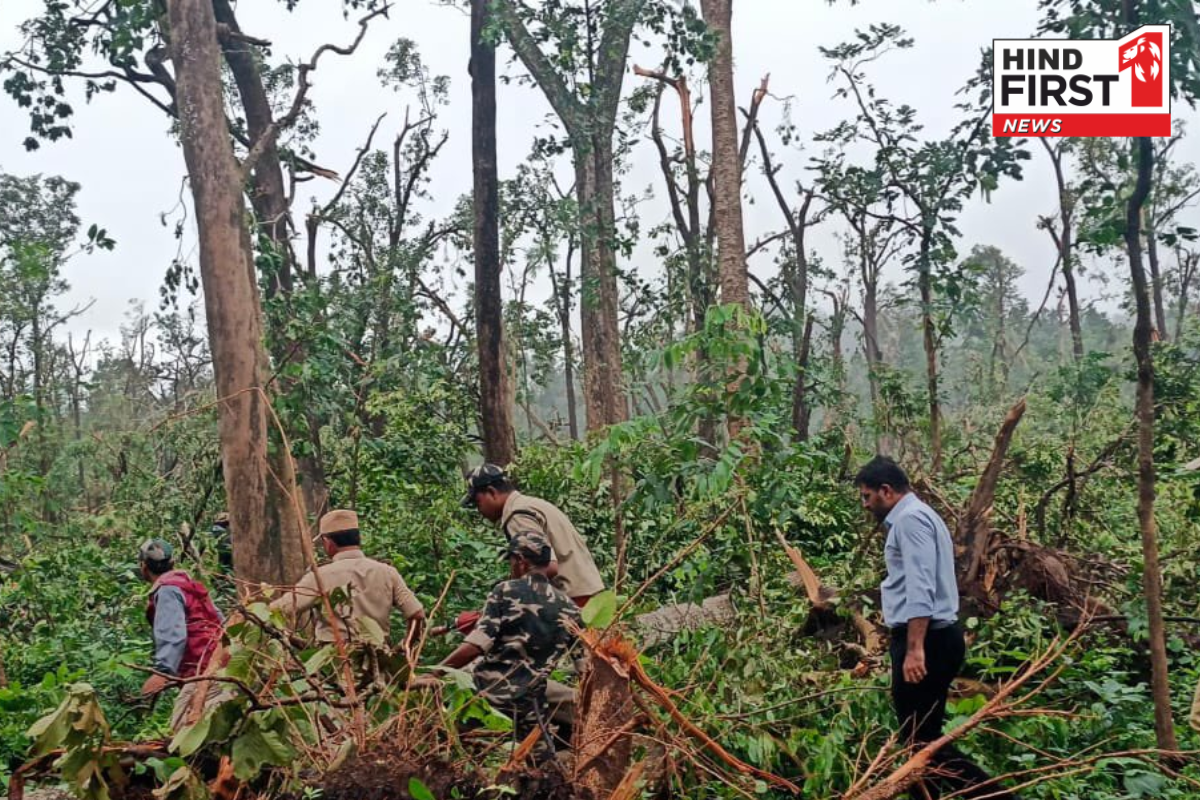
x=280, y=273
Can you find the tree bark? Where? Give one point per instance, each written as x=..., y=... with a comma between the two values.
x=929, y=338
x=603, y=385
x=801, y=410
x=499, y=437
x=1186, y=263
x=1164, y=726
x=1066, y=212
x=265, y=512
x=562, y=307
x=1156, y=283
x=727, y=167
x=272, y=209
x=602, y=743
x=590, y=122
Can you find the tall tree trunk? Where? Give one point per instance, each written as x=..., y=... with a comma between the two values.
x=726, y=177
x=590, y=121
x=269, y=196
x=801, y=410
x=1066, y=250
x=267, y=545
x=1156, y=282
x=1164, y=726
x=269, y=199
x=562, y=307
x=499, y=438
x=837, y=329
x=726, y=167
x=1186, y=263
x=929, y=337
x=603, y=385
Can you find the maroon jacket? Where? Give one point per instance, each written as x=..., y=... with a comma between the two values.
x=204, y=622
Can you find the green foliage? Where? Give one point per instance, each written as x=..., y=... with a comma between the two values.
x=79, y=729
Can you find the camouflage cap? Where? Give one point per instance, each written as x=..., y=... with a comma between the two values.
x=482, y=477
x=533, y=547
x=156, y=550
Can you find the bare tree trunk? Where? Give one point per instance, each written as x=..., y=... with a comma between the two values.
x=1156, y=283
x=590, y=121
x=1066, y=211
x=499, y=437
x=269, y=198
x=801, y=410
x=603, y=383
x=685, y=209
x=267, y=520
x=602, y=743
x=726, y=176
x=562, y=307
x=1186, y=263
x=272, y=208
x=1164, y=726
x=929, y=337
x=727, y=167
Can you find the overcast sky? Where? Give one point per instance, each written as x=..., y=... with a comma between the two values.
x=131, y=168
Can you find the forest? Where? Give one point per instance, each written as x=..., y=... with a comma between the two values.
x=682, y=301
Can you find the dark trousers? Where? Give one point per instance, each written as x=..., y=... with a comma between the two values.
x=921, y=709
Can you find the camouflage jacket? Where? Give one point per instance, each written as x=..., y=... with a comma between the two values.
x=523, y=633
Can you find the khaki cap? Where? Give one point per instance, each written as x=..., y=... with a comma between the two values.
x=339, y=520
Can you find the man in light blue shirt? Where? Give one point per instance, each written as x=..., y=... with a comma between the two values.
x=920, y=606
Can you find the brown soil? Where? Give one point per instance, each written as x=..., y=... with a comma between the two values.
x=384, y=774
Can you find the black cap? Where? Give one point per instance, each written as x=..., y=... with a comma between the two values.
x=533, y=547
x=482, y=477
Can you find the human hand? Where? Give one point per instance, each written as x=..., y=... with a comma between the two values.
x=914, y=665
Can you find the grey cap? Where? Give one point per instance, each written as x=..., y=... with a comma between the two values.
x=156, y=550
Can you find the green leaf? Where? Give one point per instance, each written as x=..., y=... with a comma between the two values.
x=600, y=610
x=1144, y=784
x=257, y=748
x=190, y=739
x=319, y=659
x=419, y=791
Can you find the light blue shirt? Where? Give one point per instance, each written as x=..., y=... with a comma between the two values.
x=170, y=629
x=920, y=565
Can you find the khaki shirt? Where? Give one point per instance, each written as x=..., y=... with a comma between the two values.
x=373, y=588
x=577, y=573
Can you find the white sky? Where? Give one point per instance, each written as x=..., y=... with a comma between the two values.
x=131, y=168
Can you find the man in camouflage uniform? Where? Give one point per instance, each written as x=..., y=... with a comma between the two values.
x=524, y=631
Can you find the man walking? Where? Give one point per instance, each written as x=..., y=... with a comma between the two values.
x=571, y=568
x=524, y=630
x=185, y=625
x=373, y=588
x=920, y=606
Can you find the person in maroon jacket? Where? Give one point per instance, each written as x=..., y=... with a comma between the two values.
x=186, y=625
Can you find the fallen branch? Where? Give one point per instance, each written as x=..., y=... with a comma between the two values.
x=974, y=529
x=1001, y=705
x=623, y=658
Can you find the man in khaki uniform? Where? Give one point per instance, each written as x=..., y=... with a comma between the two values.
x=373, y=588
x=572, y=568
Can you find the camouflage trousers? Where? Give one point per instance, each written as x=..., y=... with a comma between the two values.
x=528, y=714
